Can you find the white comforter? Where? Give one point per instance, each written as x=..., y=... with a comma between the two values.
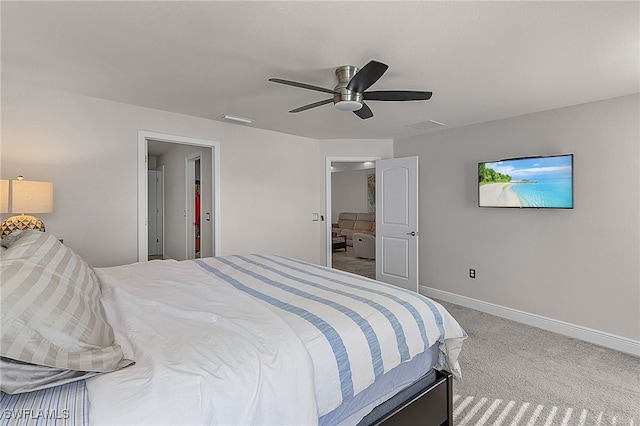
x=205, y=353
x=255, y=339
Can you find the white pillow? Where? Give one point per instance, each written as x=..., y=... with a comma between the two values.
x=51, y=316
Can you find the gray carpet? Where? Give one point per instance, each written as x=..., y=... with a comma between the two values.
x=347, y=261
x=514, y=374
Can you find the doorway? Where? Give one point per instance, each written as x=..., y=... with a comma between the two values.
x=347, y=190
x=396, y=218
x=176, y=208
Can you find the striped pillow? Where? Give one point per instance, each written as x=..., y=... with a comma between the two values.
x=51, y=316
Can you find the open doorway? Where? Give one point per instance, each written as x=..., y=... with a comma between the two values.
x=351, y=211
x=175, y=197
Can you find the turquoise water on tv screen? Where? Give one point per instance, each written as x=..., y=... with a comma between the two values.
x=550, y=192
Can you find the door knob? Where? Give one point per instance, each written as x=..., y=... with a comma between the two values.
x=412, y=233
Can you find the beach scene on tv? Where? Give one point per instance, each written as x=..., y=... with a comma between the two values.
x=541, y=182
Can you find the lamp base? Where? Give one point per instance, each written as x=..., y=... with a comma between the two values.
x=22, y=221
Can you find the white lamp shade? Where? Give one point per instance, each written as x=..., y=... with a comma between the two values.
x=29, y=196
x=4, y=196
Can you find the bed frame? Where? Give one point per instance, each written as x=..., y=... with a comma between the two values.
x=424, y=402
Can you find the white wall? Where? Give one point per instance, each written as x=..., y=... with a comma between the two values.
x=88, y=148
x=351, y=148
x=349, y=192
x=579, y=266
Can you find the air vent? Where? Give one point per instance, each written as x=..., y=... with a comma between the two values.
x=235, y=119
x=429, y=124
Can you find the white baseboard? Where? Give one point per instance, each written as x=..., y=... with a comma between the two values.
x=619, y=343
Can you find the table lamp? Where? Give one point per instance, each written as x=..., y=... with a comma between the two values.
x=22, y=196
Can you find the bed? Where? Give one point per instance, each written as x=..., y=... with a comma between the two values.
x=246, y=339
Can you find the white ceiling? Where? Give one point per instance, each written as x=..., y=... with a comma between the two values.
x=483, y=60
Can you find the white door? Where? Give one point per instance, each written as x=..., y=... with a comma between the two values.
x=151, y=205
x=397, y=222
x=192, y=176
x=155, y=205
x=156, y=210
x=160, y=210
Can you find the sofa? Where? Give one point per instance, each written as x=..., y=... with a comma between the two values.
x=354, y=223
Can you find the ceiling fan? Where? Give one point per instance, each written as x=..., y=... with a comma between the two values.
x=350, y=92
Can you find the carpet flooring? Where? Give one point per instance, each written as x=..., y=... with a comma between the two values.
x=515, y=374
x=345, y=260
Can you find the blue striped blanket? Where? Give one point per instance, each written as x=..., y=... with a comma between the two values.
x=354, y=328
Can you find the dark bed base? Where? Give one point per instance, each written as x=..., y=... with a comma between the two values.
x=424, y=403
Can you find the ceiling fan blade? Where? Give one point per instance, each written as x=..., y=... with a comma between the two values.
x=396, y=95
x=367, y=75
x=364, y=112
x=301, y=85
x=313, y=105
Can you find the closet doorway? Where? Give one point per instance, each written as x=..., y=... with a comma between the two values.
x=179, y=196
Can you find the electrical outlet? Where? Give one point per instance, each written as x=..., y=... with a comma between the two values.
x=472, y=273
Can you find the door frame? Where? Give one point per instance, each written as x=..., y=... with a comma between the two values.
x=327, y=185
x=159, y=195
x=143, y=158
x=161, y=168
x=189, y=206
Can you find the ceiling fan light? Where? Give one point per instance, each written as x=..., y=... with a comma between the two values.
x=348, y=105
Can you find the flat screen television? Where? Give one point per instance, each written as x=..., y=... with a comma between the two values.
x=542, y=182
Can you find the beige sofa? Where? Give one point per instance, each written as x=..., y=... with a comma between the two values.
x=352, y=223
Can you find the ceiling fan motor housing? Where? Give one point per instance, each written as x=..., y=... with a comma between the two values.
x=346, y=100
